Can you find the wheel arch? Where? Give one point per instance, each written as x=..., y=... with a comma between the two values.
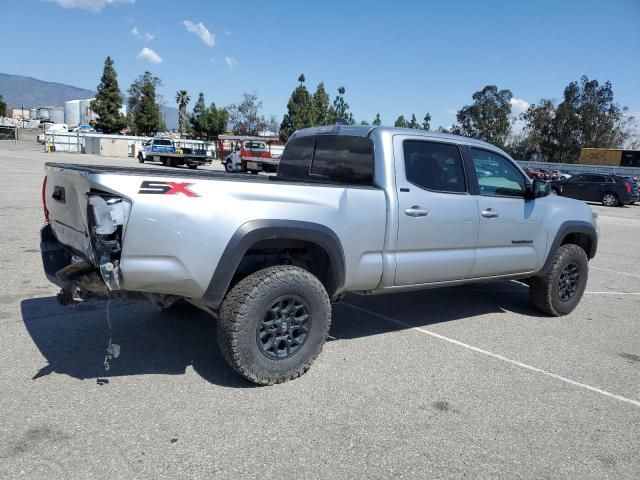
x=577, y=232
x=257, y=232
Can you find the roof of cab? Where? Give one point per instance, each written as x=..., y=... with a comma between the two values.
x=367, y=130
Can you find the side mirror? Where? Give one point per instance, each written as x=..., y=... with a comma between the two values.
x=540, y=188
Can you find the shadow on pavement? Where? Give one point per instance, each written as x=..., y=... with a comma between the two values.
x=428, y=307
x=73, y=339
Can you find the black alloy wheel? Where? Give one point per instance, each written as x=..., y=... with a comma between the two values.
x=285, y=328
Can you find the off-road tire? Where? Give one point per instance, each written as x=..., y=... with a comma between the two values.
x=610, y=199
x=246, y=305
x=544, y=289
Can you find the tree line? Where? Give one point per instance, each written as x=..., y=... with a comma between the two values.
x=144, y=116
x=552, y=131
x=306, y=110
x=587, y=116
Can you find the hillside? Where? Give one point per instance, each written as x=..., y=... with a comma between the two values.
x=18, y=90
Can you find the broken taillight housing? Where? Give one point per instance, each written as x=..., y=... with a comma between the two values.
x=44, y=200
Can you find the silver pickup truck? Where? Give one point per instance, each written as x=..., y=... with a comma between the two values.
x=367, y=210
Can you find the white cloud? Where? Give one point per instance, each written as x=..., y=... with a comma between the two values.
x=92, y=5
x=138, y=34
x=150, y=56
x=199, y=30
x=518, y=105
x=232, y=62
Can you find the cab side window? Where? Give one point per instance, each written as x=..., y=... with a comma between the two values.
x=497, y=176
x=434, y=166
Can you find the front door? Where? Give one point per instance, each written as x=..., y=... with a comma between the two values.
x=575, y=187
x=512, y=234
x=437, y=219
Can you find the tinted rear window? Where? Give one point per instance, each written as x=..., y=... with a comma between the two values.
x=162, y=142
x=333, y=158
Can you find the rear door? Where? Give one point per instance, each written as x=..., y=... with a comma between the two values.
x=438, y=218
x=512, y=235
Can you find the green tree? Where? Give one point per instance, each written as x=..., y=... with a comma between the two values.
x=199, y=118
x=539, y=132
x=108, y=102
x=217, y=121
x=377, y=120
x=488, y=117
x=147, y=118
x=401, y=122
x=426, y=122
x=588, y=116
x=364, y=122
x=135, y=96
x=182, y=99
x=245, y=118
x=340, y=111
x=301, y=111
x=321, y=106
x=413, y=123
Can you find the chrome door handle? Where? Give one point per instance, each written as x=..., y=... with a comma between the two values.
x=489, y=213
x=416, y=211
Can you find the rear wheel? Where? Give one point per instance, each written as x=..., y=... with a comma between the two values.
x=163, y=160
x=609, y=199
x=559, y=289
x=193, y=166
x=273, y=324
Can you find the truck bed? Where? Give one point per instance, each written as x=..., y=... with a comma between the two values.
x=172, y=243
x=186, y=173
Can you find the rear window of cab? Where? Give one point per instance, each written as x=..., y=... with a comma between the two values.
x=332, y=158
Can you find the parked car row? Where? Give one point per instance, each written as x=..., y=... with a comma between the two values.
x=611, y=190
x=546, y=174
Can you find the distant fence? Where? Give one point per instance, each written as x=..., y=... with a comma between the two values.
x=117, y=145
x=8, y=133
x=92, y=143
x=578, y=168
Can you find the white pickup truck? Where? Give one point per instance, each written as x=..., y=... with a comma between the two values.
x=367, y=210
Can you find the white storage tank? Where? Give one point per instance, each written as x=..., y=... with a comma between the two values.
x=43, y=113
x=86, y=114
x=56, y=115
x=33, y=113
x=72, y=113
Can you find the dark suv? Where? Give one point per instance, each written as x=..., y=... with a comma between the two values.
x=611, y=190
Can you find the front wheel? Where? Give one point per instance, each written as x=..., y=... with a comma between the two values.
x=228, y=166
x=273, y=324
x=609, y=199
x=140, y=158
x=193, y=167
x=559, y=289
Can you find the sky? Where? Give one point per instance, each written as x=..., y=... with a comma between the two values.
x=393, y=57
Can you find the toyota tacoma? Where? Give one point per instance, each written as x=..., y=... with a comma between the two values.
x=366, y=210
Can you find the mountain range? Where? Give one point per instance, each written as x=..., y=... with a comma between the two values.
x=19, y=90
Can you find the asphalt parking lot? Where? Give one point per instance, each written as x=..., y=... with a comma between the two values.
x=460, y=382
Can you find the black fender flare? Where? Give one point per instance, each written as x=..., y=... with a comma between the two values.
x=253, y=231
x=568, y=227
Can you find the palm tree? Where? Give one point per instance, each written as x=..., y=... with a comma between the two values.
x=182, y=99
